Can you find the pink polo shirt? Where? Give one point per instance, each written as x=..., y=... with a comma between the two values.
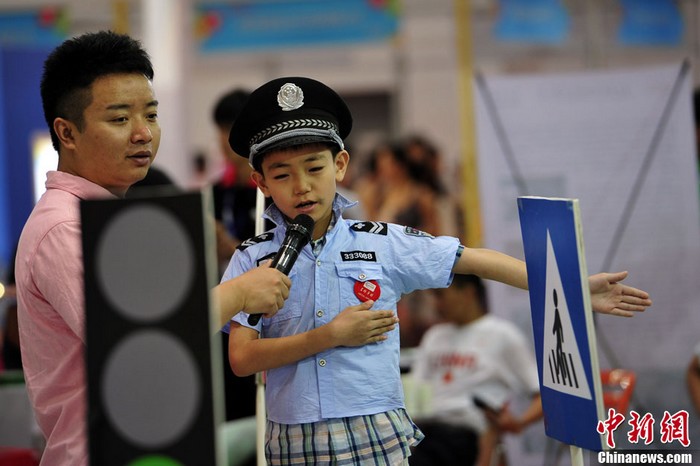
x=49, y=275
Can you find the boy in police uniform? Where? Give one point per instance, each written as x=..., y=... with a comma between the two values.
x=331, y=353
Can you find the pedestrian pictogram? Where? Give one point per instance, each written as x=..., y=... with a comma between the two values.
x=563, y=369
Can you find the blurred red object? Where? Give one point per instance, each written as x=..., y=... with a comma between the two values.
x=11, y=456
x=618, y=385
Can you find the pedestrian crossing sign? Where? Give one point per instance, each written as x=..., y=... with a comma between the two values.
x=562, y=320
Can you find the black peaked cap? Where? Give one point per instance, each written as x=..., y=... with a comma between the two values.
x=286, y=112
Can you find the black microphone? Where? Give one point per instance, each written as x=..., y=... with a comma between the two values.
x=298, y=234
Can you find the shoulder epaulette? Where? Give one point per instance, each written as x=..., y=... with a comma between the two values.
x=378, y=228
x=261, y=238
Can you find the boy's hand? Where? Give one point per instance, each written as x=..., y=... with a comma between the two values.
x=357, y=325
x=608, y=296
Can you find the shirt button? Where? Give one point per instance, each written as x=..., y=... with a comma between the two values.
x=319, y=313
x=322, y=363
x=318, y=262
x=362, y=276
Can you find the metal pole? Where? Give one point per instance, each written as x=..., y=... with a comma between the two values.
x=260, y=414
x=576, y=455
x=470, y=176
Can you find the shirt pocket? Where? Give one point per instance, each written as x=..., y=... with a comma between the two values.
x=351, y=273
x=292, y=308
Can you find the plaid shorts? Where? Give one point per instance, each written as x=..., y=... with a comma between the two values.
x=382, y=439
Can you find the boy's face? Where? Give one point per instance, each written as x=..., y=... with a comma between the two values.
x=303, y=181
x=120, y=135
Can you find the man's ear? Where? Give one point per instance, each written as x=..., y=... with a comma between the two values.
x=342, y=159
x=65, y=131
x=259, y=180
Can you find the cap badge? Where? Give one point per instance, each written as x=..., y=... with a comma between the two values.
x=290, y=97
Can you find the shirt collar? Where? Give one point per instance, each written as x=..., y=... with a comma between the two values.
x=340, y=203
x=76, y=185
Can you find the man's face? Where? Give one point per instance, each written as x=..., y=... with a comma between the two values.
x=120, y=135
x=449, y=303
x=243, y=170
x=223, y=133
x=303, y=181
x=458, y=304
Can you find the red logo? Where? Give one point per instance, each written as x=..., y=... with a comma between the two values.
x=367, y=290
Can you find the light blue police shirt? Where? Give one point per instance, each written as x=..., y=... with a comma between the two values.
x=343, y=381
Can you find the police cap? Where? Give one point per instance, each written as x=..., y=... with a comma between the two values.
x=286, y=112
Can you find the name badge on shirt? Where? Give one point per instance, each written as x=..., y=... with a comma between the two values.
x=369, y=256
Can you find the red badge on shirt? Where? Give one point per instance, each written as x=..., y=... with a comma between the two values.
x=367, y=290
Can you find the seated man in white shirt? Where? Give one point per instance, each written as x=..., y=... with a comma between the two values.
x=472, y=364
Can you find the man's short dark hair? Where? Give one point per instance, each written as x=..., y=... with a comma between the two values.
x=228, y=107
x=73, y=66
x=465, y=280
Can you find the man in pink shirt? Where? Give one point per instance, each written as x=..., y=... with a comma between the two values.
x=101, y=110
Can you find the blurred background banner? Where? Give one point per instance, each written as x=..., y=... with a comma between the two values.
x=650, y=22
x=47, y=26
x=255, y=25
x=22, y=128
x=539, y=21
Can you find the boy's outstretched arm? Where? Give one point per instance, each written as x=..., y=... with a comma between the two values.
x=608, y=295
x=354, y=326
x=492, y=265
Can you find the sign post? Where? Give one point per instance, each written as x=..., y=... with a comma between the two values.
x=562, y=322
x=260, y=408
